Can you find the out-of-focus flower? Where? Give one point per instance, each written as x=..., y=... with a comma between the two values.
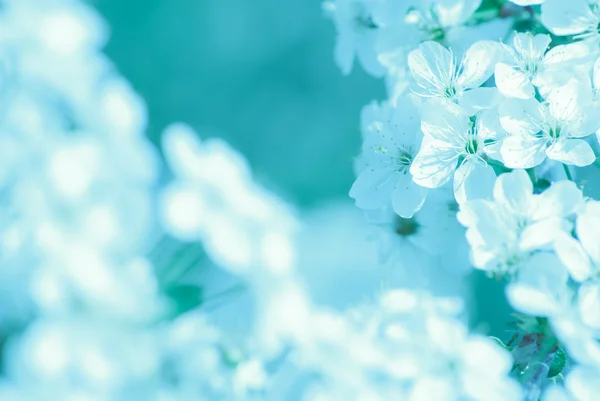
x=214, y=199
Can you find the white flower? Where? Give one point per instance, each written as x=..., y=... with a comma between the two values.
x=239, y=223
x=357, y=34
x=513, y=233
x=526, y=63
x=580, y=18
x=553, y=128
x=391, y=142
x=503, y=232
x=437, y=73
x=582, y=255
x=453, y=145
x=432, y=239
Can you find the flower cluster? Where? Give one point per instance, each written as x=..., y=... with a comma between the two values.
x=496, y=103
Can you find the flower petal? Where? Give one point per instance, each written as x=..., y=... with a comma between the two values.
x=567, y=17
x=454, y=13
x=589, y=305
x=588, y=232
x=479, y=62
x=539, y=234
x=514, y=189
x=433, y=166
x=512, y=82
x=531, y=47
x=573, y=256
x=541, y=286
x=519, y=117
x=373, y=187
x=478, y=99
x=560, y=200
x=523, y=151
x=407, y=197
x=444, y=121
x=474, y=179
x=564, y=101
x=572, y=151
x=431, y=65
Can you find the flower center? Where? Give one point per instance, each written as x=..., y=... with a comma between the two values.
x=531, y=67
x=472, y=146
x=450, y=92
x=404, y=160
x=555, y=132
x=406, y=227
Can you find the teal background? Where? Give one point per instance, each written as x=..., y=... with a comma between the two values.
x=258, y=73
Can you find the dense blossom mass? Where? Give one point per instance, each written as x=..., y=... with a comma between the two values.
x=501, y=100
x=482, y=159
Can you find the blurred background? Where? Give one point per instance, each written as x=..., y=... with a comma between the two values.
x=259, y=74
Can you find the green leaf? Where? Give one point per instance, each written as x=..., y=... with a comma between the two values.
x=558, y=363
x=184, y=297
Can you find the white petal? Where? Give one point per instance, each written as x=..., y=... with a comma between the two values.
x=588, y=232
x=542, y=233
x=183, y=212
x=483, y=351
x=486, y=227
x=589, y=305
x=183, y=149
x=527, y=2
x=531, y=47
x=523, y=151
x=512, y=82
x=573, y=256
x=479, y=63
x=519, y=117
x=567, y=17
x=430, y=65
x=531, y=300
x=596, y=74
x=444, y=121
x=433, y=167
x=474, y=179
x=541, y=286
x=373, y=188
x=571, y=52
x=455, y=12
x=514, y=189
x=478, y=99
x=587, y=121
x=560, y=200
x=572, y=151
x=488, y=125
x=564, y=101
x=408, y=197
x=369, y=59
